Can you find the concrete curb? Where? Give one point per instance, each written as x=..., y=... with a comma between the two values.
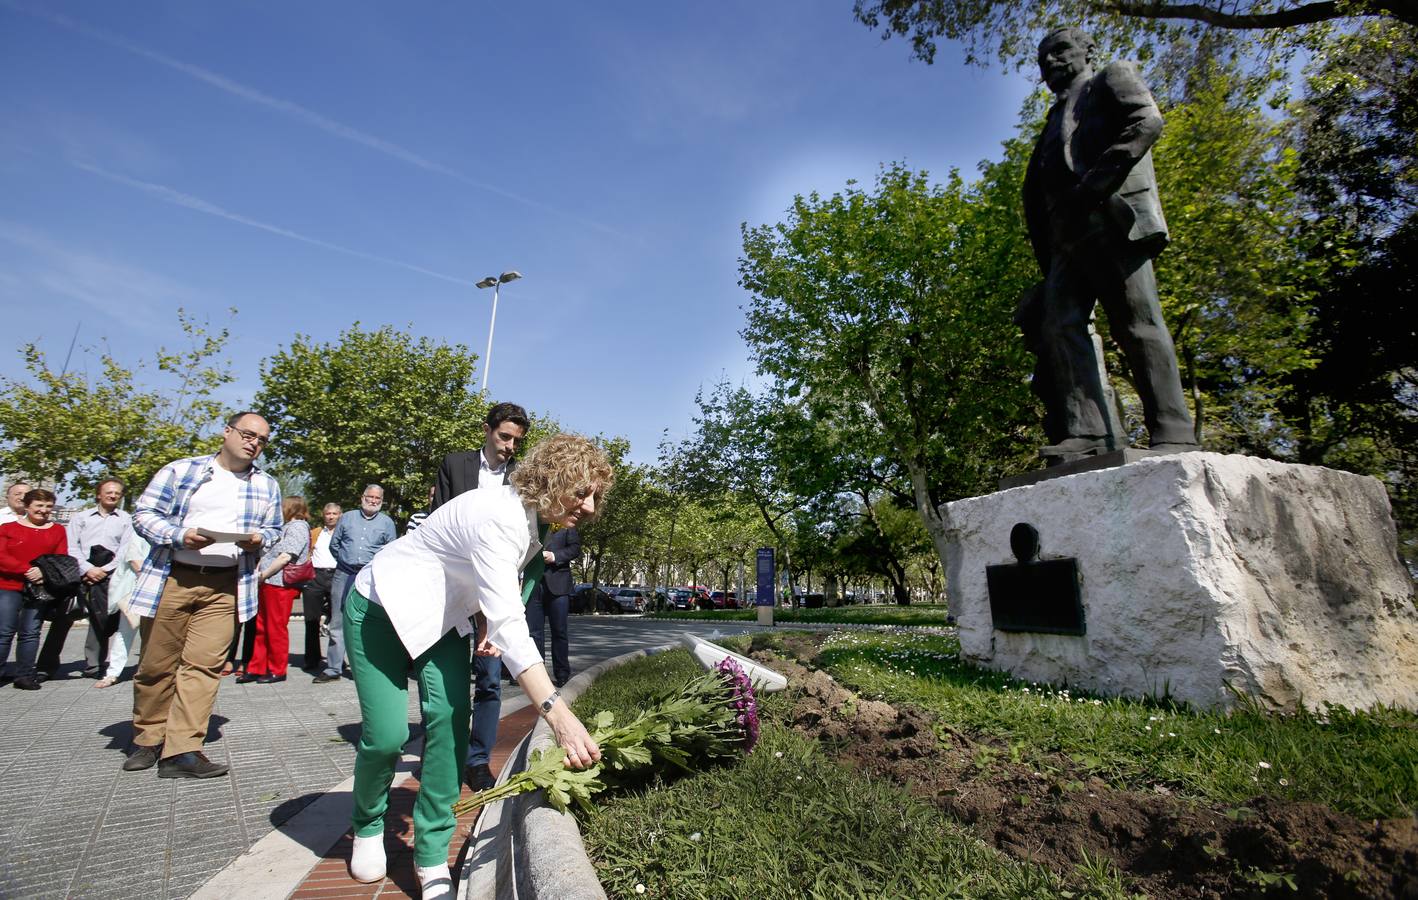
x=523, y=848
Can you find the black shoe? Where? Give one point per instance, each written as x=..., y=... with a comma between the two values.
x=269, y=679
x=325, y=678
x=141, y=757
x=193, y=764
x=93, y=673
x=29, y=683
x=479, y=777
x=247, y=678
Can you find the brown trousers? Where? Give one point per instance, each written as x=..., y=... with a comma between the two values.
x=184, y=648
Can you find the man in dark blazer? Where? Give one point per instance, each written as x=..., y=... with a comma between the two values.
x=551, y=601
x=1095, y=221
x=503, y=431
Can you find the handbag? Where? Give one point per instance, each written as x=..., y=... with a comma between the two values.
x=296, y=574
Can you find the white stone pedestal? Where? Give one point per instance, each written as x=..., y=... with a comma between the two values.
x=1200, y=571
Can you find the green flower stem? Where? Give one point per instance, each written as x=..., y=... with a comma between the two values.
x=693, y=725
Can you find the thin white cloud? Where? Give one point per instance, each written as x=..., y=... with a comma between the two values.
x=300, y=113
x=188, y=201
x=134, y=296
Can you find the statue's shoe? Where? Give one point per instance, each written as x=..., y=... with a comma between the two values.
x=1174, y=447
x=1074, y=448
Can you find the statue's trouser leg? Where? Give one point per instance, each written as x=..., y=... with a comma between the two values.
x=1068, y=364
x=1127, y=289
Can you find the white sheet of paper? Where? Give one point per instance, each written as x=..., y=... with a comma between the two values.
x=224, y=537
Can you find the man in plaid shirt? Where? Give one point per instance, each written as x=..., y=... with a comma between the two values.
x=193, y=589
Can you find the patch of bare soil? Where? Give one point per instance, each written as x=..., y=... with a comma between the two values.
x=1164, y=846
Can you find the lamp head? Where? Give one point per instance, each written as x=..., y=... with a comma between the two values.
x=487, y=282
x=510, y=275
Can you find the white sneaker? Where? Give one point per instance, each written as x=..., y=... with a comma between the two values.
x=367, y=860
x=434, y=882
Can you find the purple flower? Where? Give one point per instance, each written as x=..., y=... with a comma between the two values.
x=742, y=698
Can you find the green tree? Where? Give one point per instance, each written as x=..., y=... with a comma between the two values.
x=734, y=529
x=66, y=427
x=617, y=538
x=1010, y=29
x=898, y=303
x=1237, y=280
x=737, y=449
x=1358, y=161
x=375, y=406
x=882, y=540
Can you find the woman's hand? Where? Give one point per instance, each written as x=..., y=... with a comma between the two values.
x=481, y=645
x=34, y=575
x=582, y=752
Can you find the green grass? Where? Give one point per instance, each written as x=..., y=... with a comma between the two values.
x=1365, y=764
x=787, y=822
x=915, y=614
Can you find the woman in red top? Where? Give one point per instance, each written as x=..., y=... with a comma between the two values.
x=20, y=543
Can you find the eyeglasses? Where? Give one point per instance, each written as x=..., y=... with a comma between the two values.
x=261, y=439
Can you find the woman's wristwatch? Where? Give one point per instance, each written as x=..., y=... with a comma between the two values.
x=549, y=702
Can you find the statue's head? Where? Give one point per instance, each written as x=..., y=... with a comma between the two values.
x=1064, y=54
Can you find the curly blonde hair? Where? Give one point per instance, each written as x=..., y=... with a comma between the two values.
x=557, y=468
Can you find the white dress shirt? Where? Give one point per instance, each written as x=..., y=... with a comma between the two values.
x=321, y=557
x=462, y=560
x=488, y=477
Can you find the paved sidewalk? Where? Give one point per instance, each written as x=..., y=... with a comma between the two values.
x=330, y=878
x=78, y=826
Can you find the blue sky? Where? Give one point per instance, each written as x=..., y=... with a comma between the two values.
x=317, y=163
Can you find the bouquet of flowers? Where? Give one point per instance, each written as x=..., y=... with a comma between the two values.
x=713, y=717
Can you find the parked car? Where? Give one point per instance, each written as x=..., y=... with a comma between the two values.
x=632, y=599
x=588, y=598
x=722, y=600
x=681, y=598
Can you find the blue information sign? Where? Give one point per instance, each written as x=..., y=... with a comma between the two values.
x=767, y=576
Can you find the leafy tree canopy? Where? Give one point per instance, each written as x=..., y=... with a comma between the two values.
x=74, y=430
x=374, y=406
x=893, y=308
x=1010, y=30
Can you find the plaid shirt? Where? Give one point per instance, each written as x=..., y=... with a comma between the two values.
x=158, y=518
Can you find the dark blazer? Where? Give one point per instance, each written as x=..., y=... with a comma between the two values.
x=1107, y=140
x=565, y=546
x=458, y=474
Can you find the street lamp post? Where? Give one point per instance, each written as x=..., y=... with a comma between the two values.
x=496, y=284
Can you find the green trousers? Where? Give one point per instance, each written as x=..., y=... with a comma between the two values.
x=381, y=669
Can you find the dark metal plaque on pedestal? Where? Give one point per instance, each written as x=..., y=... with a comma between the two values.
x=1040, y=596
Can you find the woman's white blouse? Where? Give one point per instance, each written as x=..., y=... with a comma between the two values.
x=463, y=559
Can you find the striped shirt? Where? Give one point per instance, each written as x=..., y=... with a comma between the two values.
x=161, y=510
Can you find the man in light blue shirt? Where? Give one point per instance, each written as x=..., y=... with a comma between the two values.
x=358, y=536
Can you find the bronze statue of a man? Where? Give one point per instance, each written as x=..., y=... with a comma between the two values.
x=1095, y=221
